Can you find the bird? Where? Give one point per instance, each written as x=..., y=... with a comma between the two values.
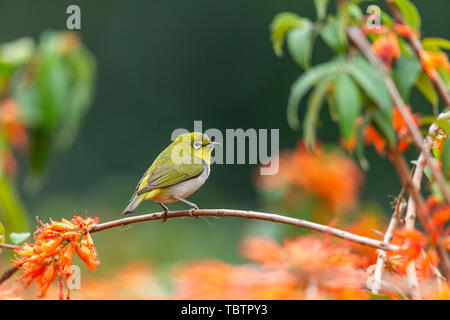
x=178, y=171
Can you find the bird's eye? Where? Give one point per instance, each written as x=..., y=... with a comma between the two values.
x=197, y=145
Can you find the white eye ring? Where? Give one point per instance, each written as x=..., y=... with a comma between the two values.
x=197, y=145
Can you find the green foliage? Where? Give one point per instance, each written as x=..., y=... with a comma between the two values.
x=2, y=235
x=49, y=84
x=405, y=75
x=300, y=42
x=321, y=8
x=330, y=34
x=58, y=95
x=445, y=157
x=436, y=44
x=410, y=13
x=17, y=238
x=303, y=84
x=348, y=103
x=371, y=82
x=315, y=102
x=383, y=122
x=12, y=210
x=281, y=24
x=424, y=85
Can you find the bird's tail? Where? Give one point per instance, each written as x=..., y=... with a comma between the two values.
x=133, y=204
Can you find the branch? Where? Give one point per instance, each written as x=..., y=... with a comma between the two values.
x=398, y=212
x=360, y=40
x=417, y=47
x=230, y=213
x=250, y=215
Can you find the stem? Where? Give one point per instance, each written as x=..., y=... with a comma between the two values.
x=399, y=209
x=249, y=215
x=417, y=47
x=230, y=213
x=359, y=39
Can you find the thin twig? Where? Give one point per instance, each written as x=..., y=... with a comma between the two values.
x=8, y=274
x=236, y=213
x=398, y=212
x=250, y=215
x=416, y=45
x=8, y=246
x=360, y=40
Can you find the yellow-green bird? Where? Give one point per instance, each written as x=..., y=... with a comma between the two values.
x=176, y=173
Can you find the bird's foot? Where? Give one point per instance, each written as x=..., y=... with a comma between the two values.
x=191, y=212
x=166, y=211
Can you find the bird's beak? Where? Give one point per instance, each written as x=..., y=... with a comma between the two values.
x=215, y=143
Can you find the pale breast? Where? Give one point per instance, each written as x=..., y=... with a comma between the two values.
x=185, y=188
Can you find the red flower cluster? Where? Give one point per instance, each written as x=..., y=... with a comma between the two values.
x=386, y=45
x=301, y=268
x=432, y=60
x=13, y=129
x=51, y=254
x=329, y=176
x=372, y=137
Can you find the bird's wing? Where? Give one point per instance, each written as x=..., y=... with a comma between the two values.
x=167, y=174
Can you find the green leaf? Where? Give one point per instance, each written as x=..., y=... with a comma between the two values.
x=330, y=34
x=386, y=19
x=2, y=235
x=321, y=8
x=281, y=24
x=379, y=297
x=11, y=208
x=445, y=157
x=435, y=44
x=426, y=88
x=409, y=12
x=17, y=238
x=406, y=72
x=315, y=102
x=301, y=86
x=383, y=122
x=444, y=124
x=359, y=151
x=348, y=102
x=17, y=52
x=299, y=43
x=371, y=82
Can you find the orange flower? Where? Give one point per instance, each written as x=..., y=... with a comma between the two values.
x=263, y=250
x=329, y=176
x=51, y=254
x=404, y=30
x=371, y=135
x=432, y=60
x=412, y=242
x=387, y=48
x=11, y=124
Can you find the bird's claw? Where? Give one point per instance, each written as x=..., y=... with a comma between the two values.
x=164, y=218
x=191, y=212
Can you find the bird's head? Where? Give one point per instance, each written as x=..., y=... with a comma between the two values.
x=197, y=144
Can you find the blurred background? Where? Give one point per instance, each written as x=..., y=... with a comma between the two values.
x=160, y=65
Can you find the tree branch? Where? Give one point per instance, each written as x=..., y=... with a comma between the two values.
x=230, y=213
x=417, y=47
x=360, y=40
x=398, y=212
x=249, y=215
